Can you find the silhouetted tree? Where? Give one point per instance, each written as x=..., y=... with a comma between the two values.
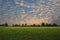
x=25, y=24
x=22, y=25
x=34, y=25
x=38, y=25
x=48, y=24
x=43, y=24
x=6, y=24
x=59, y=24
x=54, y=24
x=15, y=25
x=0, y=24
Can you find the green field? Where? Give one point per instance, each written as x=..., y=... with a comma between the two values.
x=29, y=33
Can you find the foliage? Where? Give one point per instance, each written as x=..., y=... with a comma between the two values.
x=34, y=25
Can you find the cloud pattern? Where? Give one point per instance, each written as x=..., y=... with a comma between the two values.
x=29, y=11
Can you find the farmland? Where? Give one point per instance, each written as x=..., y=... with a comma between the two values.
x=29, y=33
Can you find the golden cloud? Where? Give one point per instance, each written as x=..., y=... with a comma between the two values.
x=37, y=21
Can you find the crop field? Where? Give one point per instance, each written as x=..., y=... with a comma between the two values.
x=29, y=33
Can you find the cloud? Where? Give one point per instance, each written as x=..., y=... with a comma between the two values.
x=0, y=0
x=31, y=13
x=37, y=21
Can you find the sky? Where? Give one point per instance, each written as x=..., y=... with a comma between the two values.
x=29, y=11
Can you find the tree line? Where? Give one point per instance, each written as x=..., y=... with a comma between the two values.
x=25, y=25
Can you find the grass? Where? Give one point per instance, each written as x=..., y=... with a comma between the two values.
x=29, y=33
